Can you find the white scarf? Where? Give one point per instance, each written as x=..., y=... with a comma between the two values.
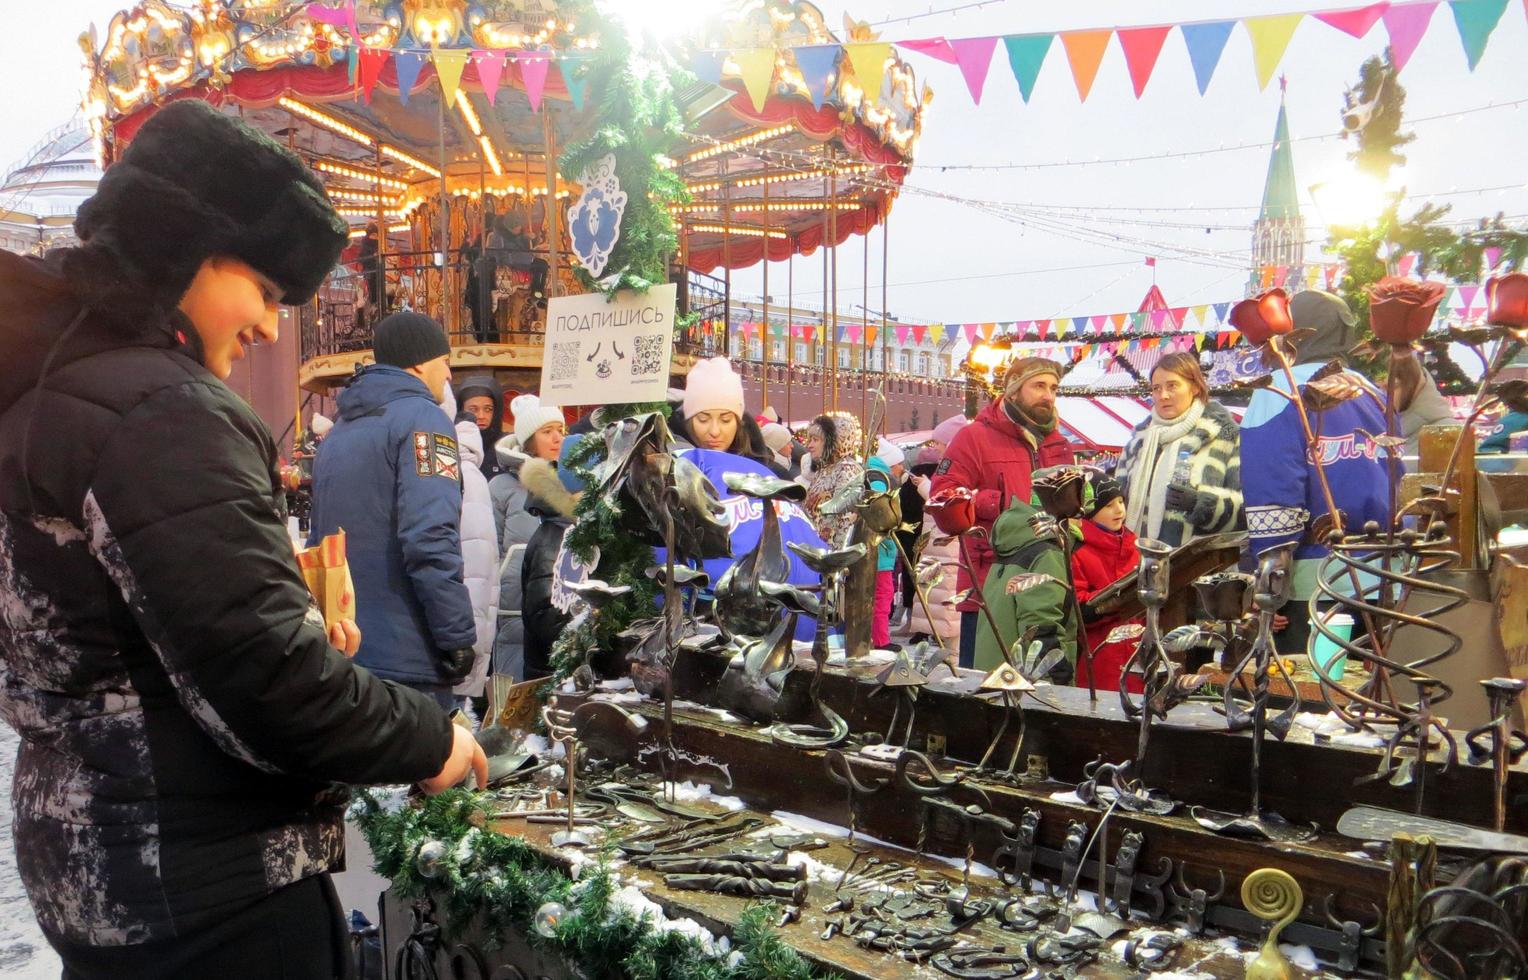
x=1147, y=499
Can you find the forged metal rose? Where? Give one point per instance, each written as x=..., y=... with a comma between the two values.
x=954, y=509
x=1225, y=596
x=1401, y=310
x=1261, y=317
x=1507, y=300
x=1060, y=491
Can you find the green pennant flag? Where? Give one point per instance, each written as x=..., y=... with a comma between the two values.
x=1476, y=19
x=576, y=81
x=1026, y=55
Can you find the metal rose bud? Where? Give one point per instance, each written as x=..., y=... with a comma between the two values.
x=1401, y=310
x=954, y=509
x=1260, y=318
x=1507, y=300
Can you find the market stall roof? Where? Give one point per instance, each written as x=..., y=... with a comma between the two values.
x=364, y=102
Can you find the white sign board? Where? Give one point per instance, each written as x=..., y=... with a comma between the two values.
x=601, y=352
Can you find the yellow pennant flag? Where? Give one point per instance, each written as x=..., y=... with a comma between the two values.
x=1270, y=39
x=868, y=59
x=448, y=67
x=1085, y=52
x=1202, y=313
x=757, y=66
x=936, y=332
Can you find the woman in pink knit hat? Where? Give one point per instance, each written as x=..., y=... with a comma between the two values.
x=714, y=417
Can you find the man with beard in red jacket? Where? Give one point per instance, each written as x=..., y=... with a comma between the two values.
x=992, y=459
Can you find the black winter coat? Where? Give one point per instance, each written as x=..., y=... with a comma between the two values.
x=550, y=501
x=183, y=719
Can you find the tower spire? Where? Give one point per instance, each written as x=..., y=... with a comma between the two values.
x=1278, y=235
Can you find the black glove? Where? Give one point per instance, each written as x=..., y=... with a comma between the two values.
x=1061, y=674
x=456, y=664
x=1181, y=498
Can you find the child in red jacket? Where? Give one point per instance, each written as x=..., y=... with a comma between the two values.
x=1106, y=555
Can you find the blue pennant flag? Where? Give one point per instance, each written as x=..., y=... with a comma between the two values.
x=407, y=64
x=1221, y=309
x=1205, y=43
x=707, y=65
x=817, y=62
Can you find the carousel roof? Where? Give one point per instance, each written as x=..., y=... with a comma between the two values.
x=786, y=175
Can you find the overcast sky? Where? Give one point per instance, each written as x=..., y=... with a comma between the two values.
x=951, y=262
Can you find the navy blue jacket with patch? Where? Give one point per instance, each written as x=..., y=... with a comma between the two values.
x=389, y=474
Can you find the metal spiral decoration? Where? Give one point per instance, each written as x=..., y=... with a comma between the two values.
x=1475, y=927
x=1275, y=896
x=1164, y=684
x=1401, y=563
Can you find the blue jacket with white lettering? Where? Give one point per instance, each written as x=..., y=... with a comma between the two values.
x=389, y=474
x=1282, y=492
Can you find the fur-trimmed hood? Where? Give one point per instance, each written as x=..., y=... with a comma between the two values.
x=548, y=497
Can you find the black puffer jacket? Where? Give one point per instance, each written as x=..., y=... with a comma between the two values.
x=183, y=719
x=553, y=504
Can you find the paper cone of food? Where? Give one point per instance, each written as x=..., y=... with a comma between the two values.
x=327, y=573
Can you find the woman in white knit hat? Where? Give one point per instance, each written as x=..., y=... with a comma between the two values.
x=538, y=434
x=714, y=416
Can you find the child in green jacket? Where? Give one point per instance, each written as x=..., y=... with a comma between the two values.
x=1018, y=602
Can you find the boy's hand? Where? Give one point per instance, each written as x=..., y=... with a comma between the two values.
x=345, y=636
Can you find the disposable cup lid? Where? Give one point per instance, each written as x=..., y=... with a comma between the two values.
x=1341, y=619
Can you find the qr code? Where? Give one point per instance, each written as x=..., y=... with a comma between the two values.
x=565, y=361
x=647, y=357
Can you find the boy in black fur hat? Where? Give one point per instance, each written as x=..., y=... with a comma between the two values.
x=183, y=712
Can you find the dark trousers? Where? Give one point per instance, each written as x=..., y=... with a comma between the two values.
x=968, y=625
x=297, y=933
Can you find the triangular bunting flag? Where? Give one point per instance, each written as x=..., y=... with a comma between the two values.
x=1118, y=319
x=1205, y=43
x=534, y=66
x=1280, y=275
x=1158, y=317
x=1466, y=296
x=707, y=66
x=1201, y=314
x=974, y=56
x=490, y=68
x=1270, y=39
x=1406, y=23
x=1098, y=323
x=1404, y=264
x=369, y=69
x=970, y=331
x=902, y=332
x=1179, y=316
x=1142, y=46
x=1492, y=255
x=1137, y=321
x=758, y=69
x=407, y=64
x=918, y=333
x=574, y=77
x=352, y=63
x=1476, y=19
x=986, y=330
x=1041, y=328
x=870, y=334
x=935, y=47
x=817, y=62
x=868, y=59
x=1221, y=309
x=1357, y=22
x=1085, y=52
x=1026, y=54
x=1079, y=324
x=854, y=333
x=342, y=16
x=448, y=68
x=935, y=333
x=808, y=332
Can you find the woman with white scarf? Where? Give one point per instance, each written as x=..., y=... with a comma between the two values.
x=1181, y=470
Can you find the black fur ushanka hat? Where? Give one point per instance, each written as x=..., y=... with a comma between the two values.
x=196, y=183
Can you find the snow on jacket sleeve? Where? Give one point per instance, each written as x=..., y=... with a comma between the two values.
x=429, y=507
x=1274, y=490
x=195, y=545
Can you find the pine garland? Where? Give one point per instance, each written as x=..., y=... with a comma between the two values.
x=501, y=881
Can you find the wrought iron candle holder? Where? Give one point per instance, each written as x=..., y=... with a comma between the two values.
x=1164, y=685
x=826, y=605
x=1270, y=593
x=1497, y=742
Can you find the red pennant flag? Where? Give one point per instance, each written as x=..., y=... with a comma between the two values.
x=808, y=332
x=369, y=69
x=534, y=66
x=490, y=68
x=1179, y=315
x=1142, y=46
x=918, y=333
x=1355, y=23
x=935, y=47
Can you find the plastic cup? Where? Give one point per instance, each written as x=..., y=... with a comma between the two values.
x=1325, y=654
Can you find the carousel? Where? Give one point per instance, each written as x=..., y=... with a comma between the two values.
x=457, y=138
